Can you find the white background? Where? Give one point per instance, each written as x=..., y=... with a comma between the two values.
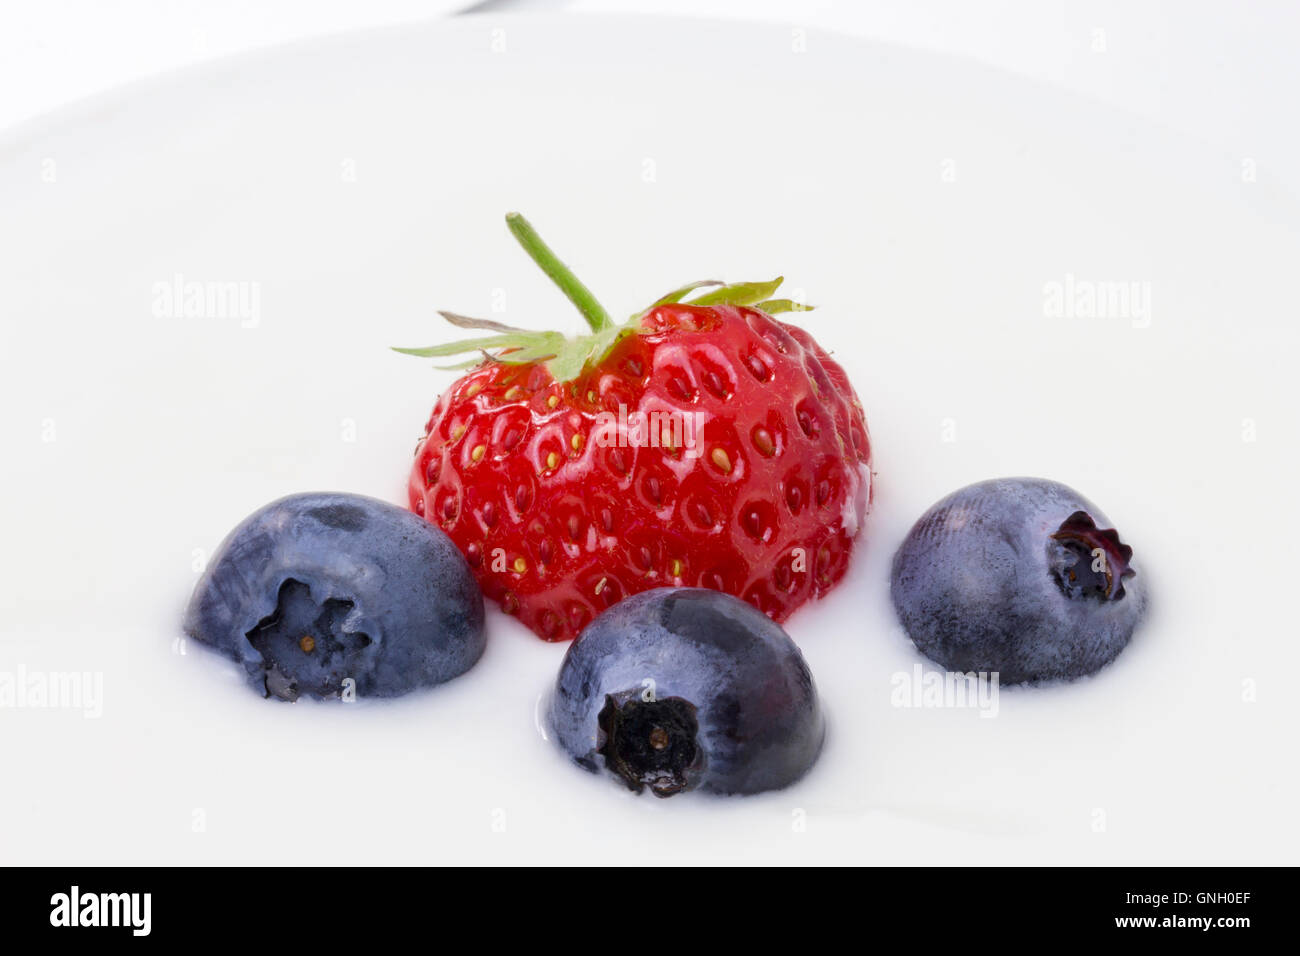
x=922, y=201
x=1221, y=71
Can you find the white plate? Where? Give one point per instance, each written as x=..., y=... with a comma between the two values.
x=926, y=205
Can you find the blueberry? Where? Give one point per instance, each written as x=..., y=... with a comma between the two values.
x=1020, y=576
x=679, y=688
x=316, y=590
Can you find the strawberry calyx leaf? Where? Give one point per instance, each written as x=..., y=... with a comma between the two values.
x=678, y=294
x=566, y=356
x=777, y=306
x=752, y=294
x=742, y=293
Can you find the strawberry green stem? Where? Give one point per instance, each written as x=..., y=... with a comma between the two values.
x=566, y=356
x=560, y=274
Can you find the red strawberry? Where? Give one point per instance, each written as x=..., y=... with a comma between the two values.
x=547, y=464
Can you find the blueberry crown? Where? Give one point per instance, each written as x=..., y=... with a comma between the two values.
x=1101, y=556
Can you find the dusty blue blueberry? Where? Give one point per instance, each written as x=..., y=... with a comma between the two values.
x=325, y=593
x=1021, y=576
x=683, y=688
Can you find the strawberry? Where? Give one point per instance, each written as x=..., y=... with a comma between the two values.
x=702, y=442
